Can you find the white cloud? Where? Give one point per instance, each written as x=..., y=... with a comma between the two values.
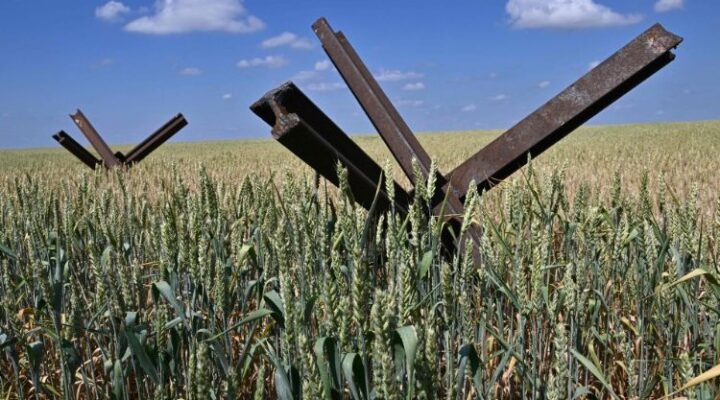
x=190, y=71
x=323, y=65
x=565, y=14
x=391, y=75
x=304, y=76
x=325, y=87
x=227, y=96
x=414, y=86
x=499, y=97
x=267, y=61
x=543, y=84
x=111, y=11
x=182, y=16
x=493, y=75
x=469, y=108
x=593, y=65
x=668, y=5
x=410, y=103
x=287, y=39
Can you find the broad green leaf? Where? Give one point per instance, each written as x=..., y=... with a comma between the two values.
x=172, y=323
x=36, y=353
x=166, y=291
x=138, y=350
x=131, y=318
x=327, y=357
x=252, y=316
x=274, y=302
x=590, y=366
x=283, y=386
x=9, y=253
x=692, y=274
x=406, y=342
x=424, y=266
x=354, y=371
x=469, y=357
x=118, y=383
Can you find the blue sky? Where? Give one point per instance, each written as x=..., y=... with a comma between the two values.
x=130, y=65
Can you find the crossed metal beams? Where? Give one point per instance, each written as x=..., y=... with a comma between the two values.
x=384, y=116
x=301, y=127
x=107, y=157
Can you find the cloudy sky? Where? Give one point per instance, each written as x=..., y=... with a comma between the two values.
x=132, y=64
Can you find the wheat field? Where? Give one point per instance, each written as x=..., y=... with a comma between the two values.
x=219, y=270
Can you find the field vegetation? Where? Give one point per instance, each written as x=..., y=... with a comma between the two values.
x=219, y=270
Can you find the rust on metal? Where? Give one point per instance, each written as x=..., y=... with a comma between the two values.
x=95, y=139
x=156, y=139
x=312, y=136
x=299, y=125
x=616, y=76
x=393, y=129
x=110, y=159
x=76, y=149
x=306, y=131
x=386, y=119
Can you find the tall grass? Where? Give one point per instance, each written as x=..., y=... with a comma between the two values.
x=159, y=286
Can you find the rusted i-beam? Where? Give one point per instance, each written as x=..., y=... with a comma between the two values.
x=109, y=158
x=306, y=131
x=624, y=70
x=76, y=149
x=156, y=139
x=299, y=125
x=391, y=127
x=394, y=131
x=96, y=141
x=619, y=74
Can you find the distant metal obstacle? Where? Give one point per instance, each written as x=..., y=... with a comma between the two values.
x=107, y=157
x=306, y=131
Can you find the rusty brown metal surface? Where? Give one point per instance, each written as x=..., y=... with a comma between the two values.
x=302, y=127
x=96, y=141
x=76, y=149
x=156, y=139
x=393, y=129
x=110, y=159
x=624, y=70
x=299, y=125
x=383, y=115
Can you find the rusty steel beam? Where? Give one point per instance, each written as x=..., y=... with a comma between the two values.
x=96, y=141
x=156, y=139
x=616, y=76
x=299, y=125
x=383, y=115
x=306, y=131
x=393, y=129
x=76, y=149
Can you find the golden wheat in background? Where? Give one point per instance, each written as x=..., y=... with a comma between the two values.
x=218, y=269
